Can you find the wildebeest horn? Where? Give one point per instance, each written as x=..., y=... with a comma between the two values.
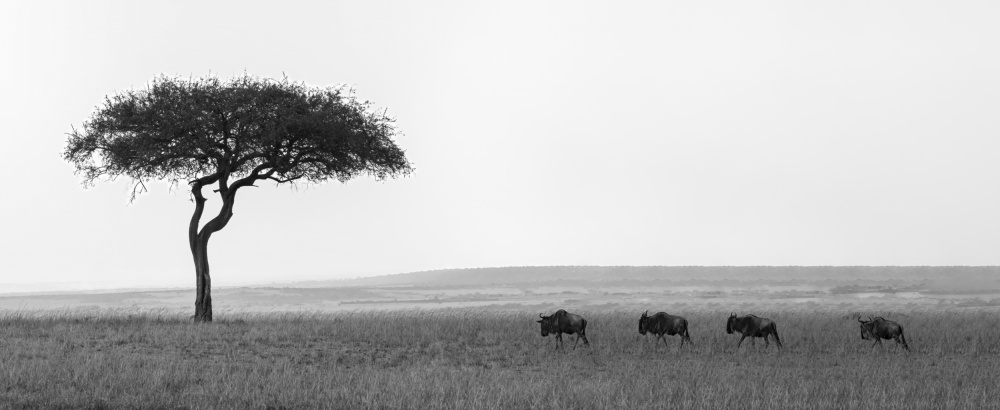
x=646, y=313
x=859, y=320
x=540, y=315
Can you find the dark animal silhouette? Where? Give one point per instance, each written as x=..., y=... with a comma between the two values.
x=564, y=322
x=752, y=326
x=879, y=328
x=661, y=323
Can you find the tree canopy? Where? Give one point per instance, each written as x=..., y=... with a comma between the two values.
x=202, y=131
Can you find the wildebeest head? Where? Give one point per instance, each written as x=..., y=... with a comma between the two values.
x=547, y=324
x=730, y=323
x=867, y=329
x=644, y=322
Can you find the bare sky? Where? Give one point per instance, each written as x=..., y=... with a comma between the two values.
x=543, y=133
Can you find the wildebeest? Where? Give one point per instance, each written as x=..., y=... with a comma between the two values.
x=564, y=322
x=879, y=328
x=752, y=326
x=661, y=323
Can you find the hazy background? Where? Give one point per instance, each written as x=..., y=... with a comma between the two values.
x=543, y=133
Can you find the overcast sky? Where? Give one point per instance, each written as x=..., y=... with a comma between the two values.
x=542, y=133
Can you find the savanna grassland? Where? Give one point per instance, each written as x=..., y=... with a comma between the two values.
x=464, y=358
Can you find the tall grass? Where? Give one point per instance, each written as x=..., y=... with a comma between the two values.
x=486, y=359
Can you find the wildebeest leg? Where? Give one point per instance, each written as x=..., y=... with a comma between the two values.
x=767, y=344
x=741, y=341
x=664, y=339
x=584, y=336
x=877, y=342
x=900, y=342
x=558, y=340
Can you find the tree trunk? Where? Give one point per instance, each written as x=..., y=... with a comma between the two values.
x=199, y=252
x=199, y=240
x=203, y=296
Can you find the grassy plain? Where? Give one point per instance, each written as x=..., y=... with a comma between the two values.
x=468, y=358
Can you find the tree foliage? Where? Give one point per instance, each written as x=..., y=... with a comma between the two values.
x=202, y=131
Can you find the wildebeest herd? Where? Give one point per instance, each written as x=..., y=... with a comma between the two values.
x=661, y=324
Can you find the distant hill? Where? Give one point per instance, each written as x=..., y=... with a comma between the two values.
x=951, y=277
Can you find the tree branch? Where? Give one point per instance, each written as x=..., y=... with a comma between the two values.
x=289, y=179
x=136, y=190
x=199, y=209
x=254, y=176
x=205, y=180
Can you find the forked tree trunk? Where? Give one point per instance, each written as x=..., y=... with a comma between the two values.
x=199, y=240
x=199, y=247
x=199, y=252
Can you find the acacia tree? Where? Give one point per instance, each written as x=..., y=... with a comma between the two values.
x=231, y=134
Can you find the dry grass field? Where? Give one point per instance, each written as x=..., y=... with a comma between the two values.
x=466, y=358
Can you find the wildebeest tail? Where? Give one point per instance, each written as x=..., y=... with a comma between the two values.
x=774, y=327
x=902, y=338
